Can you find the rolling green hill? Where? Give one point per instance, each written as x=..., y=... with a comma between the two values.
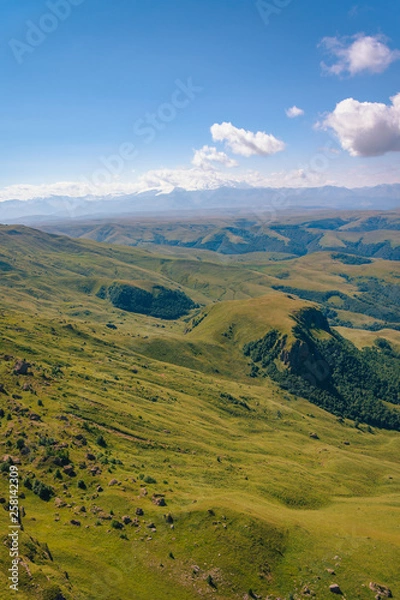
x=372, y=234
x=153, y=464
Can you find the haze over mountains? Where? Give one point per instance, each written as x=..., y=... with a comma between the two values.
x=382, y=197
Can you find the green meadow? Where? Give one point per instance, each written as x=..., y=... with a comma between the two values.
x=151, y=464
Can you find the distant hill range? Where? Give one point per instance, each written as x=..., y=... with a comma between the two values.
x=269, y=200
x=366, y=234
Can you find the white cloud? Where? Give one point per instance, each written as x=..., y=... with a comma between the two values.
x=66, y=189
x=294, y=112
x=164, y=181
x=361, y=53
x=366, y=128
x=246, y=143
x=207, y=155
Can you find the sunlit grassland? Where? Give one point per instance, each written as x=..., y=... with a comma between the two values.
x=256, y=503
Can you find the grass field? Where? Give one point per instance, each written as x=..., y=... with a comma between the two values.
x=238, y=500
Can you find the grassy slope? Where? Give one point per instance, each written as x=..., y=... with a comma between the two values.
x=195, y=229
x=362, y=339
x=285, y=505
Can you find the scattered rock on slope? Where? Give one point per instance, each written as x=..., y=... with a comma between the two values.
x=21, y=367
x=382, y=590
x=335, y=589
x=158, y=500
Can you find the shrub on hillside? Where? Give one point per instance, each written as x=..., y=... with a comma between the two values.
x=45, y=492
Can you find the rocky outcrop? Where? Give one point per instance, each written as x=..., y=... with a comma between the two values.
x=69, y=470
x=335, y=589
x=21, y=367
x=381, y=590
x=158, y=500
x=75, y=522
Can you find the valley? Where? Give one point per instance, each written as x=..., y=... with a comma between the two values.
x=154, y=399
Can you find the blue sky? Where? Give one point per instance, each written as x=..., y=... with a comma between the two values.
x=82, y=78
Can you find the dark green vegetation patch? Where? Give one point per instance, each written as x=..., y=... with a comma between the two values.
x=350, y=259
x=161, y=303
x=5, y=266
x=331, y=372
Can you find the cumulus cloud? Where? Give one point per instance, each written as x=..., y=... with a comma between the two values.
x=294, y=112
x=208, y=155
x=360, y=53
x=366, y=128
x=246, y=143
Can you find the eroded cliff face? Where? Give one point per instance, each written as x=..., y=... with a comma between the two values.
x=303, y=357
x=318, y=364
x=295, y=355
